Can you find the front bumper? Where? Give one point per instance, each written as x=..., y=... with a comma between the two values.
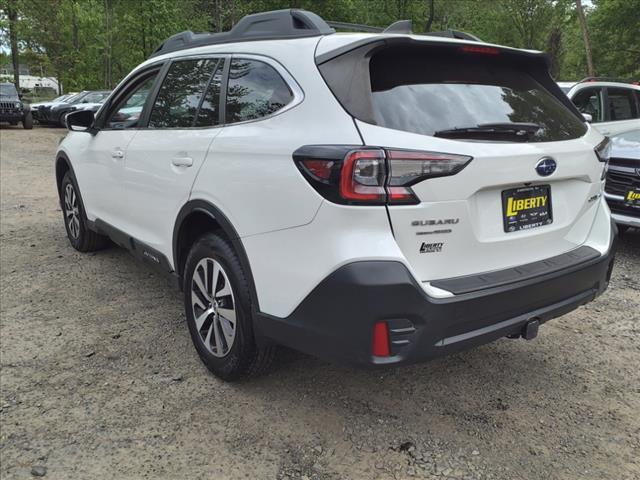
x=336, y=320
x=11, y=116
x=621, y=212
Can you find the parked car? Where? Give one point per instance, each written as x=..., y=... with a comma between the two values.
x=12, y=109
x=614, y=107
x=92, y=106
x=377, y=199
x=55, y=114
x=35, y=107
x=622, y=188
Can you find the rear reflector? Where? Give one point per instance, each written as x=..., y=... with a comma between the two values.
x=320, y=169
x=380, y=346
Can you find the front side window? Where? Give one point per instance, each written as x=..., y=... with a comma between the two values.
x=255, y=90
x=128, y=111
x=589, y=101
x=622, y=105
x=179, y=96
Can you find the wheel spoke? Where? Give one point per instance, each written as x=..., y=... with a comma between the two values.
x=216, y=328
x=214, y=279
x=225, y=290
x=195, y=300
x=200, y=320
x=198, y=281
x=229, y=314
x=227, y=331
x=207, y=340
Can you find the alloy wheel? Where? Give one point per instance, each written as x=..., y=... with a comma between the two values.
x=71, y=211
x=213, y=306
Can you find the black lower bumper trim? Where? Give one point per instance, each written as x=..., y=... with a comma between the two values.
x=472, y=283
x=335, y=321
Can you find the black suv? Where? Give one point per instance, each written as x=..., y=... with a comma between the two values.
x=12, y=110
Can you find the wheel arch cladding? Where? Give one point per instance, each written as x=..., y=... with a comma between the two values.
x=198, y=217
x=63, y=165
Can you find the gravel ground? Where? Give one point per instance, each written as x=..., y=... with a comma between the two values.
x=99, y=378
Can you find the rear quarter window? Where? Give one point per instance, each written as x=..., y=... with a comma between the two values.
x=255, y=90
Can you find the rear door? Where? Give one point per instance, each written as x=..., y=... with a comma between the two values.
x=164, y=157
x=508, y=206
x=622, y=111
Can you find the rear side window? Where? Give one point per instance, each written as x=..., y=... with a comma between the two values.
x=177, y=101
x=255, y=90
x=209, y=113
x=622, y=104
x=589, y=101
x=431, y=95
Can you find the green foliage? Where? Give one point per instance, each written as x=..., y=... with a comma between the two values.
x=92, y=44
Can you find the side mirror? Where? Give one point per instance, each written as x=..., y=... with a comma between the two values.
x=587, y=117
x=80, y=121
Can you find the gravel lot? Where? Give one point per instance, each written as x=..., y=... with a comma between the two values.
x=99, y=378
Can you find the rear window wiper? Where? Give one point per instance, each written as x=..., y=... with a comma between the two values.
x=507, y=131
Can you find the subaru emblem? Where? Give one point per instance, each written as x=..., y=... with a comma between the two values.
x=546, y=166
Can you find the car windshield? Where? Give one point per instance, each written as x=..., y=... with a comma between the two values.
x=95, y=97
x=8, y=90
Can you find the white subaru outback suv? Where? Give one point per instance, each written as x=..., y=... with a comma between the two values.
x=377, y=199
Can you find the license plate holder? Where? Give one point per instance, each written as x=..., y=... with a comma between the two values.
x=526, y=207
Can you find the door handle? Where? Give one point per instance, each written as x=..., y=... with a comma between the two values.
x=182, y=161
x=117, y=154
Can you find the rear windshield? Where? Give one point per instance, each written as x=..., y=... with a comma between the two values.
x=430, y=95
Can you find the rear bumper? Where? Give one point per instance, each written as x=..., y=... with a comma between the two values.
x=335, y=321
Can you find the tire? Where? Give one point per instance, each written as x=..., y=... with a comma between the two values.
x=81, y=237
x=228, y=350
x=622, y=229
x=27, y=121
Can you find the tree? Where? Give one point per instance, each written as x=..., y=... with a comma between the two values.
x=11, y=8
x=585, y=36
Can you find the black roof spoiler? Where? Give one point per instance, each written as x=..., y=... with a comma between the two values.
x=285, y=24
x=277, y=24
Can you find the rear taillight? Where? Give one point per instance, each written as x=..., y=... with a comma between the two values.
x=363, y=176
x=372, y=176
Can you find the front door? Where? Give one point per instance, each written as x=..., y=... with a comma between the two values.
x=102, y=168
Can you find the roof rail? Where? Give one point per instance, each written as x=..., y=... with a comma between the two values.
x=357, y=27
x=454, y=34
x=608, y=79
x=277, y=24
x=284, y=24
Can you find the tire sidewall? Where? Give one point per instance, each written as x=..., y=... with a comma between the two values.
x=212, y=246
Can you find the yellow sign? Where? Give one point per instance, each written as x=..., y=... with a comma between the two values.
x=632, y=196
x=515, y=206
